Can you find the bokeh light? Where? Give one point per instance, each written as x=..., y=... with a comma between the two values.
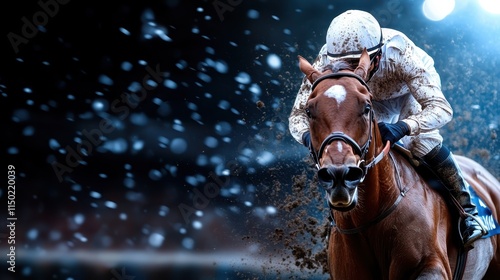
x=437, y=10
x=490, y=6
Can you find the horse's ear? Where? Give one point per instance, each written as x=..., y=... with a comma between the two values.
x=364, y=65
x=306, y=68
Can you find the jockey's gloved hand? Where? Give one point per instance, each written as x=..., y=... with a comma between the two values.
x=393, y=131
x=306, y=139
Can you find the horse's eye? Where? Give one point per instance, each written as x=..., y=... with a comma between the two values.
x=308, y=113
x=367, y=110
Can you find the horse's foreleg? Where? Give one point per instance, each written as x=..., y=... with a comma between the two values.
x=431, y=276
x=436, y=272
x=426, y=270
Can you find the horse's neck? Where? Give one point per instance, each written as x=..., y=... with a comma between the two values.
x=381, y=184
x=378, y=191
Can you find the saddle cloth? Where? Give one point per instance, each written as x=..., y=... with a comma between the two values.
x=485, y=214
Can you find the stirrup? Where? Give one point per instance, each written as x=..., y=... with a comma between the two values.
x=484, y=231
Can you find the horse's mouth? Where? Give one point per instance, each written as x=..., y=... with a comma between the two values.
x=342, y=199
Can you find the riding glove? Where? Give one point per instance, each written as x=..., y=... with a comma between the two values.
x=393, y=131
x=306, y=139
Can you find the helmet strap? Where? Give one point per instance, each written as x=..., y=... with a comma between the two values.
x=374, y=64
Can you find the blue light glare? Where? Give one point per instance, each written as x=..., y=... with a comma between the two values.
x=437, y=10
x=491, y=6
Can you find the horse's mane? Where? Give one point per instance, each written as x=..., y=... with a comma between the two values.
x=338, y=65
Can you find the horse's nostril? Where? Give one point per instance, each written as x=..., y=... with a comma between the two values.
x=330, y=176
x=354, y=174
x=325, y=178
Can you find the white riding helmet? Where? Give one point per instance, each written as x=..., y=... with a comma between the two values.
x=352, y=31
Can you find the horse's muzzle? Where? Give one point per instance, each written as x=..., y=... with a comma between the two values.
x=340, y=183
x=340, y=176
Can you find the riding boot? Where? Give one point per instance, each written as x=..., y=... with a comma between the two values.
x=444, y=165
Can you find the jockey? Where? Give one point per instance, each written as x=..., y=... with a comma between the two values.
x=407, y=99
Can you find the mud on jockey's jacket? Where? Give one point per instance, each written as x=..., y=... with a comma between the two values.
x=405, y=87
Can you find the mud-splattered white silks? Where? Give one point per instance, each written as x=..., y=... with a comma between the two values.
x=405, y=87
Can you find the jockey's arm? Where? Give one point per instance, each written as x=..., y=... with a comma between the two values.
x=425, y=85
x=298, y=122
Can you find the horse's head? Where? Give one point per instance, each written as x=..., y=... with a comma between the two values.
x=340, y=118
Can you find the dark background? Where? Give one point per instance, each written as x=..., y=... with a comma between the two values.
x=117, y=211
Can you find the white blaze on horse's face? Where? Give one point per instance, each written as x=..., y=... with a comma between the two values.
x=337, y=92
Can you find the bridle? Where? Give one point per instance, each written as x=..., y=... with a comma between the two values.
x=362, y=151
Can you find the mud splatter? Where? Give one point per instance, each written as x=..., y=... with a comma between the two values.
x=304, y=232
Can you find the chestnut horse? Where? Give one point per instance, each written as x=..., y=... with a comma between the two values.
x=389, y=223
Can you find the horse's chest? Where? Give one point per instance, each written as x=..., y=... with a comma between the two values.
x=353, y=259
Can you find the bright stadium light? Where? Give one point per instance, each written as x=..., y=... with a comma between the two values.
x=437, y=10
x=491, y=6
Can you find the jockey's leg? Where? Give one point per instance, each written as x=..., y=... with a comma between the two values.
x=443, y=163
